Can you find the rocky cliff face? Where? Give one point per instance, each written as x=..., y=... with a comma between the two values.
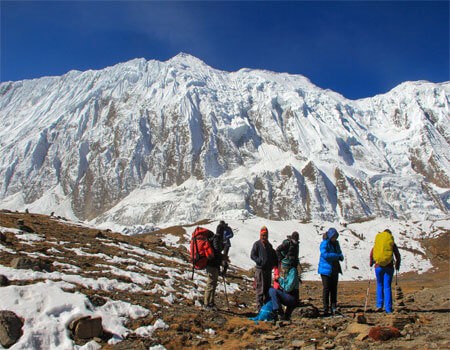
x=148, y=141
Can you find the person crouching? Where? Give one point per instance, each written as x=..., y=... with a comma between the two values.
x=287, y=294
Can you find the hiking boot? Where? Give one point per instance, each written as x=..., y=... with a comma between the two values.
x=284, y=318
x=274, y=316
x=211, y=307
x=379, y=309
x=287, y=314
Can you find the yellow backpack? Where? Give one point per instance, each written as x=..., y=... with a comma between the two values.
x=383, y=248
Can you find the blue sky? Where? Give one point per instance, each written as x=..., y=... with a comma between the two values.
x=356, y=48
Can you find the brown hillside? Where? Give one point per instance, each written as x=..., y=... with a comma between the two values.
x=423, y=322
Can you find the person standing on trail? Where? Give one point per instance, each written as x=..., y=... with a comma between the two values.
x=329, y=269
x=287, y=252
x=287, y=293
x=382, y=255
x=213, y=269
x=227, y=234
x=265, y=259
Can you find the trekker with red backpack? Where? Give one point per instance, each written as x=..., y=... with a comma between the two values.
x=382, y=255
x=213, y=269
x=200, y=248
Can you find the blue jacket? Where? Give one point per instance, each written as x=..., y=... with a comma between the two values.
x=330, y=254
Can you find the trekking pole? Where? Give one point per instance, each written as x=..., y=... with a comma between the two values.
x=396, y=276
x=367, y=294
x=226, y=295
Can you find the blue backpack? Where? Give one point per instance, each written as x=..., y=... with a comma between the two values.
x=227, y=233
x=265, y=314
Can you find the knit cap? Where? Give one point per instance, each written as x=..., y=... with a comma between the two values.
x=264, y=230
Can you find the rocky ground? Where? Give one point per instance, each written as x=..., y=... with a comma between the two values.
x=423, y=321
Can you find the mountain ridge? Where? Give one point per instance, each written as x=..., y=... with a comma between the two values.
x=247, y=142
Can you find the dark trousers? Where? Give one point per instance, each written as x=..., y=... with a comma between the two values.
x=329, y=292
x=263, y=281
x=279, y=298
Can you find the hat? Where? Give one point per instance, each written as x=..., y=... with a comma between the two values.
x=332, y=232
x=264, y=230
x=295, y=236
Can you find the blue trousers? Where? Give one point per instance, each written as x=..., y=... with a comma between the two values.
x=384, y=291
x=279, y=298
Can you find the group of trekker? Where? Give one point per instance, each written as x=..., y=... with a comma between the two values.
x=283, y=263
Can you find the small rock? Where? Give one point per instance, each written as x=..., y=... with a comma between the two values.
x=270, y=337
x=361, y=319
x=298, y=344
x=97, y=300
x=328, y=345
x=4, y=281
x=10, y=328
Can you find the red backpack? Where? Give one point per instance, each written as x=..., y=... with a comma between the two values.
x=201, y=249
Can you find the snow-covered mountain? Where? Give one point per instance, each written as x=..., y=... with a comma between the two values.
x=177, y=141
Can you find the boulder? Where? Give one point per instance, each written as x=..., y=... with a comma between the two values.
x=10, y=328
x=309, y=312
x=358, y=328
x=26, y=263
x=383, y=333
x=86, y=327
x=22, y=263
